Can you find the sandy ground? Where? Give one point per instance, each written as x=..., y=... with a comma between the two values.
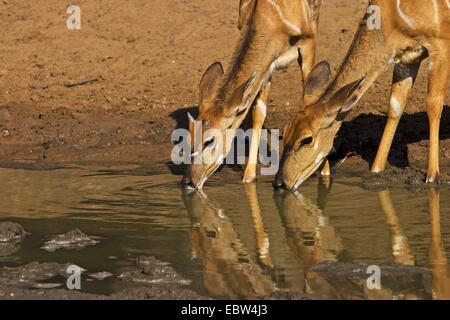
x=148, y=57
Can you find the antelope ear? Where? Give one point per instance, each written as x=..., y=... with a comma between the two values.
x=316, y=83
x=239, y=96
x=344, y=100
x=210, y=81
x=245, y=11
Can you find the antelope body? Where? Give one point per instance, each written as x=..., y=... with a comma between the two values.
x=274, y=34
x=410, y=31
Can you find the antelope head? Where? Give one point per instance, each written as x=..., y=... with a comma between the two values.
x=212, y=132
x=309, y=136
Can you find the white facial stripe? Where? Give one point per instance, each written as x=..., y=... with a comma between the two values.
x=320, y=158
x=295, y=28
x=448, y=3
x=408, y=20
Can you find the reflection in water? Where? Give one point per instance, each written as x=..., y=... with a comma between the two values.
x=400, y=246
x=309, y=234
x=248, y=242
x=312, y=240
x=227, y=267
x=438, y=259
x=262, y=239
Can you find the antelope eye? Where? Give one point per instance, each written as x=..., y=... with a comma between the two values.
x=306, y=141
x=208, y=142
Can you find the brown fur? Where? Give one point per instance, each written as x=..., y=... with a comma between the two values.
x=369, y=55
x=265, y=38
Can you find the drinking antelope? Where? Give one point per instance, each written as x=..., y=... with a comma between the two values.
x=411, y=30
x=274, y=34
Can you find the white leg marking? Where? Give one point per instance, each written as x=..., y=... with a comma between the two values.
x=396, y=107
x=408, y=20
x=262, y=108
x=295, y=28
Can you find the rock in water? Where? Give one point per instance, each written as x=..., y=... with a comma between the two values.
x=11, y=236
x=74, y=239
x=11, y=232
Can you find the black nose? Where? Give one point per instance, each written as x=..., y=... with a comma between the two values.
x=187, y=182
x=278, y=184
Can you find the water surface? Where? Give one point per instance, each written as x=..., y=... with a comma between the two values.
x=234, y=241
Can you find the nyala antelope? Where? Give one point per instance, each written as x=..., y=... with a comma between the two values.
x=410, y=31
x=274, y=33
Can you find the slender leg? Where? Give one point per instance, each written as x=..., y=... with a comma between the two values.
x=437, y=87
x=404, y=78
x=259, y=115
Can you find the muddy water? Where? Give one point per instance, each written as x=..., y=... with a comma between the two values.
x=235, y=241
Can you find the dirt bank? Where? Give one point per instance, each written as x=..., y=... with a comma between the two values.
x=147, y=58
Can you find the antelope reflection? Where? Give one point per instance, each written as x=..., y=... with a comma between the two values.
x=262, y=239
x=230, y=270
x=227, y=267
x=438, y=259
x=309, y=235
x=400, y=247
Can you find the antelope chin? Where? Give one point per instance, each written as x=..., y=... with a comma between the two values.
x=301, y=179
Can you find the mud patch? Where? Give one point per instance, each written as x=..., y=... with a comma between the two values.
x=393, y=176
x=332, y=280
x=156, y=279
x=32, y=275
